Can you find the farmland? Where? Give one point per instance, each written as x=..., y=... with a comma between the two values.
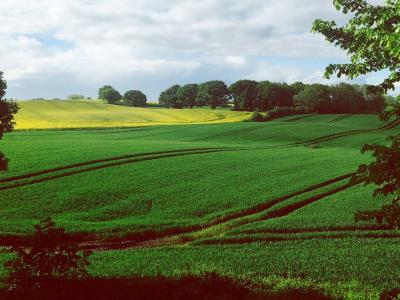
x=51, y=114
x=267, y=201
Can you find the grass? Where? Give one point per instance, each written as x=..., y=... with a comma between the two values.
x=50, y=114
x=346, y=267
x=255, y=189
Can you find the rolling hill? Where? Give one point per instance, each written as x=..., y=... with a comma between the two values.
x=61, y=114
x=270, y=203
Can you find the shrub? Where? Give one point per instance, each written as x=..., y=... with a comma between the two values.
x=279, y=112
x=388, y=214
x=257, y=117
x=75, y=97
x=109, y=94
x=134, y=98
x=49, y=259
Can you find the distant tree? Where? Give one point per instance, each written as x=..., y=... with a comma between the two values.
x=213, y=93
x=109, y=94
x=76, y=97
x=7, y=111
x=134, y=98
x=245, y=94
x=371, y=38
x=275, y=95
x=298, y=87
x=169, y=97
x=49, y=259
x=374, y=100
x=315, y=97
x=264, y=103
x=187, y=95
x=346, y=98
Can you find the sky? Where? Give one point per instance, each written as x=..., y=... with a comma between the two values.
x=54, y=48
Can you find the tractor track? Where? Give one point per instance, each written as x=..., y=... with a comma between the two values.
x=338, y=119
x=271, y=239
x=300, y=118
x=114, y=163
x=181, y=236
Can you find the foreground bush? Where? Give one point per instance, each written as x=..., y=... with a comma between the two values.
x=209, y=286
x=49, y=259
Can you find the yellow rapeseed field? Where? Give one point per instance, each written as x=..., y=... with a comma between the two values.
x=46, y=114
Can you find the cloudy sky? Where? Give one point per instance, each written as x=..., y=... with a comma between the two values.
x=53, y=48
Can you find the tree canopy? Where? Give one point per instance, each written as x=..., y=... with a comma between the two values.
x=187, y=95
x=7, y=123
x=372, y=39
x=213, y=93
x=109, y=94
x=169, y=97
x=134, y=98
x=245, y=94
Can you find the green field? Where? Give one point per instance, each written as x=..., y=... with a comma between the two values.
x=266, y=201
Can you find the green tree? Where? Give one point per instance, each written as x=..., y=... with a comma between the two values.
x=134, y=98
x=7, y=111
x=245, y=94
x=275, y=95
x=347, y=99
x=170, y=97
x=213, y=93
x=298, y=87
x=187, y=95
x=372, y=39
x=374, y=100
x=49, y=258
x=264, y=102
x=109, y=94
x=315, y=97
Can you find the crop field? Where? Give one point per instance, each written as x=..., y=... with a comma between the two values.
x=50, y=114
x=271, y=202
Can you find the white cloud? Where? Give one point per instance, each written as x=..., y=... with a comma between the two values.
x=97, y=41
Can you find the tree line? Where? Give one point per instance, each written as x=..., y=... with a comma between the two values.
x=263, y=96
x=250, y=95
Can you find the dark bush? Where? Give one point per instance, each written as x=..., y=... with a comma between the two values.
x=388, y=214
x=75, y=97
x=209, y=286
x=279, y=112
x=257, y=117
x=47, y=261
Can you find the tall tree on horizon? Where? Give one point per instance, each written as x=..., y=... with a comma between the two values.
x=7, y=123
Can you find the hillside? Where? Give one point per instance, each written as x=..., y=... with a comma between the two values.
x=266, y=202
x=46, y=114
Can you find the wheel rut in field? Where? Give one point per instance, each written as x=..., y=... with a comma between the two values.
x=300, y=118
x=324, y=138
x=271, y=239
x=334, y=136
x=111, y=162
x=186, y=235
x=181, y=236
x=338, y=119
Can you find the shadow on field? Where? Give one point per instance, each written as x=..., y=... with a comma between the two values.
x=190, y=287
